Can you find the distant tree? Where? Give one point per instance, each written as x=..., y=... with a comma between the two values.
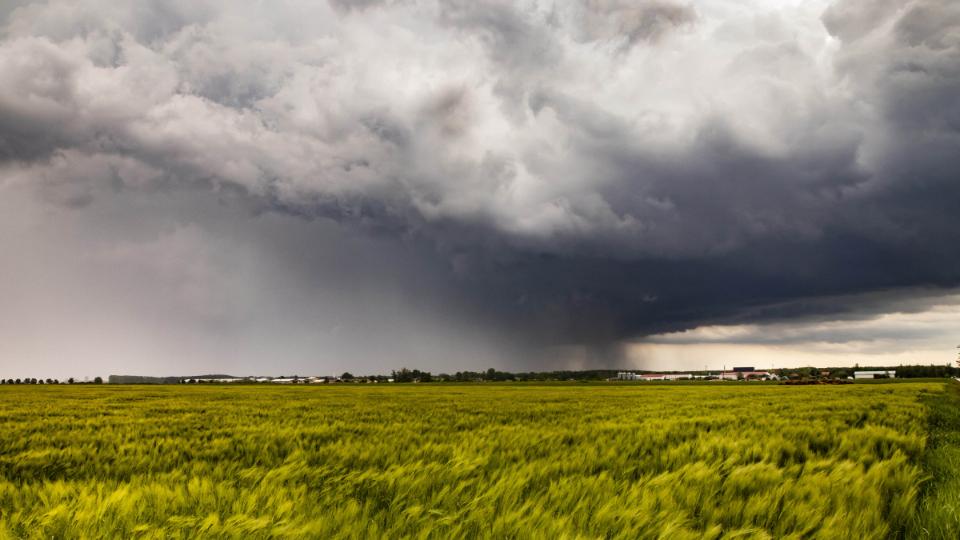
x=18, y=381
x=33, y=381
x=411, y=375
x=347, y=376
x=39, y=381
x=70, y=380
x=98, y=380
x=49, y=381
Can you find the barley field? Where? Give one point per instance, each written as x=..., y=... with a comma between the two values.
x=475, y=461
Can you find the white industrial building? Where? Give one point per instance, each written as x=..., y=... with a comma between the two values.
x=630, y=376
x=891, y=374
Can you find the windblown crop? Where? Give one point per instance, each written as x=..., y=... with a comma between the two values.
x=450, y=461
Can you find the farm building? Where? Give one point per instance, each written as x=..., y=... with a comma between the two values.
x=890, y=374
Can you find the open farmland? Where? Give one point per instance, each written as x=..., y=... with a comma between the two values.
x=442, y=461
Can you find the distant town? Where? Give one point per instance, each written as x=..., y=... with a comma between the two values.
x=805, y=375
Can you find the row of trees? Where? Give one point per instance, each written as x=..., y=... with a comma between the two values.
x=411, y=375
x=96, y=380
x=558, y=375
x=415, y=375
x=903, y=372
x=405, y=375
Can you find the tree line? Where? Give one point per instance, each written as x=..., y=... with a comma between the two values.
x=96, y=380
x=406, y=375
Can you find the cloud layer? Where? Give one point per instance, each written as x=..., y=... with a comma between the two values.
x=575, y=172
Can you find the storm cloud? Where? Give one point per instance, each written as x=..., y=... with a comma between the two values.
x=543, y=174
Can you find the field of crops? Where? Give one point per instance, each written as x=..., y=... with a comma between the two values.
x=459, y=461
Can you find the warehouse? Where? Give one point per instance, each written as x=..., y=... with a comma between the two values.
x=630, y=376
x=891, y=374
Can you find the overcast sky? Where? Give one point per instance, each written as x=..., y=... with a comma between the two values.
x=194, y=186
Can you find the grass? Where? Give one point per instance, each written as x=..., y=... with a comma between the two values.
x=437, y=461
x=938, y=515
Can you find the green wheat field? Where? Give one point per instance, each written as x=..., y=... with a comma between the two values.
x=723, y=460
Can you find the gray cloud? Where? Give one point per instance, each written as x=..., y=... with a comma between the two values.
x=633, y=22
x=572, y=173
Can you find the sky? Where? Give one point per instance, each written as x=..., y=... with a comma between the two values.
x=312, y=187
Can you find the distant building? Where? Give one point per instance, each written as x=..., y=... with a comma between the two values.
x=891, y=374
x=630, y=376
x=748, y=375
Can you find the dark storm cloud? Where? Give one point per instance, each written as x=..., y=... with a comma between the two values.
x=580, y=172
x=881, y=317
